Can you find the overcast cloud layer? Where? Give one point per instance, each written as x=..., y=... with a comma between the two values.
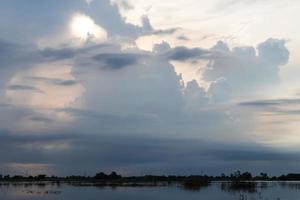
x=85, y=86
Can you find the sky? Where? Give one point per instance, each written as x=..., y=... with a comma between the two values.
x=149, y=87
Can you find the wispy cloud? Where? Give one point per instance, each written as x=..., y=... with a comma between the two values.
x=23, y=88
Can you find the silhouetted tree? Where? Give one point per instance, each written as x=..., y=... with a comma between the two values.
x=264, y=176
x=114, y=176
x=292, y=177
x=245, y=176
x=40, y=177
x=6, y=177
x=101, y=176
x=17, y=177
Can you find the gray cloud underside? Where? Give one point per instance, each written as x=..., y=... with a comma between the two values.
x=276, y=106
x=183, y=38
x=271, y=102
x=117, y=60
x=184, y=53
x=55, y=81
x=121, y=152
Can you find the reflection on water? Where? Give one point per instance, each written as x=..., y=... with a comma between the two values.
x=240, y=186
x=212, y=191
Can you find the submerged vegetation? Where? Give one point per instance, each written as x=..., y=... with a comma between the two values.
x=236, y=181
x=195, y=182
x=244, y=186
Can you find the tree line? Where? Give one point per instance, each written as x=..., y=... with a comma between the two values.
x=114, y=176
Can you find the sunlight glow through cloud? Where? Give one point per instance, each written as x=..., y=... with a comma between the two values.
x=85, y=28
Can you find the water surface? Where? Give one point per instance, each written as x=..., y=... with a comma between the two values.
x=63, y=191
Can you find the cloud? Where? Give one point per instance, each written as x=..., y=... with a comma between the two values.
x=84, y=28
x=253, y=155
x=123, y=4
x=184, y=54
x=65, y=52
x=102, y=12
x=221, y=46
x=121, y=153
x=41, y=119
x=196, y=97
x=246, y=69
x=23, y=88
x=164, y=31
x=13, y=55
x=57, y=54
x=183, y=38
x=220, y=91
x=55, y=81
x=104, y=104
x=271, y=102
x=111, y=118
x=288, y=107
x=273, y=51
x=116, y=61
x=41, y=12
x=89, y=1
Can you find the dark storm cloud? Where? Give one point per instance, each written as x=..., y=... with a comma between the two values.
x=184, y=54
x=116, y=61
x=62, y=52
x=31, y=145
x=8, y=138
x=95, y=152
x=253, y=154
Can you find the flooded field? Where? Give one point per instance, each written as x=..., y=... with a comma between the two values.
x=215, y=191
